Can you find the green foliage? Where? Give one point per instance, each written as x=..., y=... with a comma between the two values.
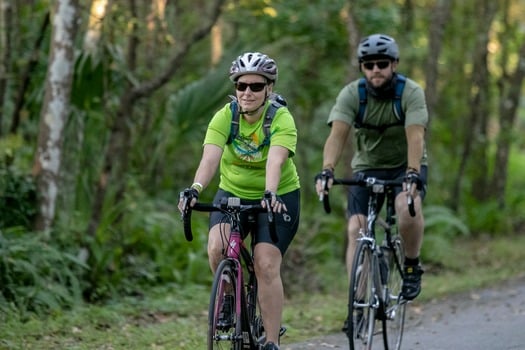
x=35, y=276
x=514, y=196
x=155, y=236
x=442, y=227
x=488, y=217
x=17, y=199
x=148, y=247
x=443, y=221
x=89, y=80
x=17, y=188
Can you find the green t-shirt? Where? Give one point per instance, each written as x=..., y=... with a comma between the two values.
x=375, y=149
x=243, y=162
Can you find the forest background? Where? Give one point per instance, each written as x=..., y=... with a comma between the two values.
x=104, y=105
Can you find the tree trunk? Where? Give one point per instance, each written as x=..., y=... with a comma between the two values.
x=481, y=103
x=55, y=110
x=97, y=13
x=476, y=138
x=442, y=12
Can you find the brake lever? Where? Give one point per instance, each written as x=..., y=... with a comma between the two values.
x=323, y=186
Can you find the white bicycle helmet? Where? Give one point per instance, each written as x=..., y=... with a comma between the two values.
x=376, y=46
x=254, y=63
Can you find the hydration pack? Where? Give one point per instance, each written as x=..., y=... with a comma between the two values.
x=396, y=105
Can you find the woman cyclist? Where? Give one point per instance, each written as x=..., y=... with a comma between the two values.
x=250, y=166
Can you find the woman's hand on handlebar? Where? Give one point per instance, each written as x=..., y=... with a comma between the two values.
x=274, y=201
x=188, y=197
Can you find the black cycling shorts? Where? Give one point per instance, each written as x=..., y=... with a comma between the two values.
x=358, y=195
x=287, y=222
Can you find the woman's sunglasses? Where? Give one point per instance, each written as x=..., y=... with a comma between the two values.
x=255, y=87
x=379, y=64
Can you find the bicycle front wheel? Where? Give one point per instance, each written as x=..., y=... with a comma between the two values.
x=395, y=307
x=363, y=302
x=223, y=322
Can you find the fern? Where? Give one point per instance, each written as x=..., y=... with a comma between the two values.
x=35, y=276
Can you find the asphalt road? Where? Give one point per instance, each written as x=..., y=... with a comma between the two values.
x=488, y=319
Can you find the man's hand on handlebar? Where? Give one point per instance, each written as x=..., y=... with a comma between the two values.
x=274, y=201
x=323, y=182
x=188, y=197
x=413, y=184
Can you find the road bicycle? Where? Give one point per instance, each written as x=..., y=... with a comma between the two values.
x=235, y=276
x=375, y=304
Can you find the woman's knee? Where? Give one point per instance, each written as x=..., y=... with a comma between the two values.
x=215, y=245
x=267, y=261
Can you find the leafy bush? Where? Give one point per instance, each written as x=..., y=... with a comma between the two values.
x=441, y=227
x=35, y=276
x=17, y=196
x=157, y=236
x=146, y=247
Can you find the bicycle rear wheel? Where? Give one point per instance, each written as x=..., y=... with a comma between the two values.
x=363, y=302
x=221, y=334
x=395, y=307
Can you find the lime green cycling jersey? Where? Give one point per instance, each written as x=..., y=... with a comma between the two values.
x=380, y=148
x=243, y=162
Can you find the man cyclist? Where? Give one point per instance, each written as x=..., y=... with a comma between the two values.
x=385, y=147
x=251, y=166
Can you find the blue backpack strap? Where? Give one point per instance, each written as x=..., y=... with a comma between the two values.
x=396, y=105
x=234, y=127
x=400, y=86
x=276, y=102
x=361, y=88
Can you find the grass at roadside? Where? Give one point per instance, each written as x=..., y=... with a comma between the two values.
x=174, y=317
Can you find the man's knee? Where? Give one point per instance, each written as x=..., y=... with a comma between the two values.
x=356, y=223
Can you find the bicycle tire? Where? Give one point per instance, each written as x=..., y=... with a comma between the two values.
x=363, y=301
x=395, y=307
x=221, y=337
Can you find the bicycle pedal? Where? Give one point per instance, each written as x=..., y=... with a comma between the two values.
x=282, y=331
x=402, y=301
x=261, y=340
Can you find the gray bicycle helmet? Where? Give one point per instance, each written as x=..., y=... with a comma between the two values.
x=377, y=46
x=254, y=63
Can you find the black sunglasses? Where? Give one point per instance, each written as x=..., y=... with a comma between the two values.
x=379, y=64
x=255, y=87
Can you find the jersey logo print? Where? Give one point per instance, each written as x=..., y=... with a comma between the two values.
x=248, y=148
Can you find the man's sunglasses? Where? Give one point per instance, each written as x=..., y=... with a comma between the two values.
x=379, y=64
x=255, y=87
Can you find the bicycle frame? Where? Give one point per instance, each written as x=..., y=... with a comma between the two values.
x=238, y=252
x=371, y=299
x=373, y=214
x=236, y=256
